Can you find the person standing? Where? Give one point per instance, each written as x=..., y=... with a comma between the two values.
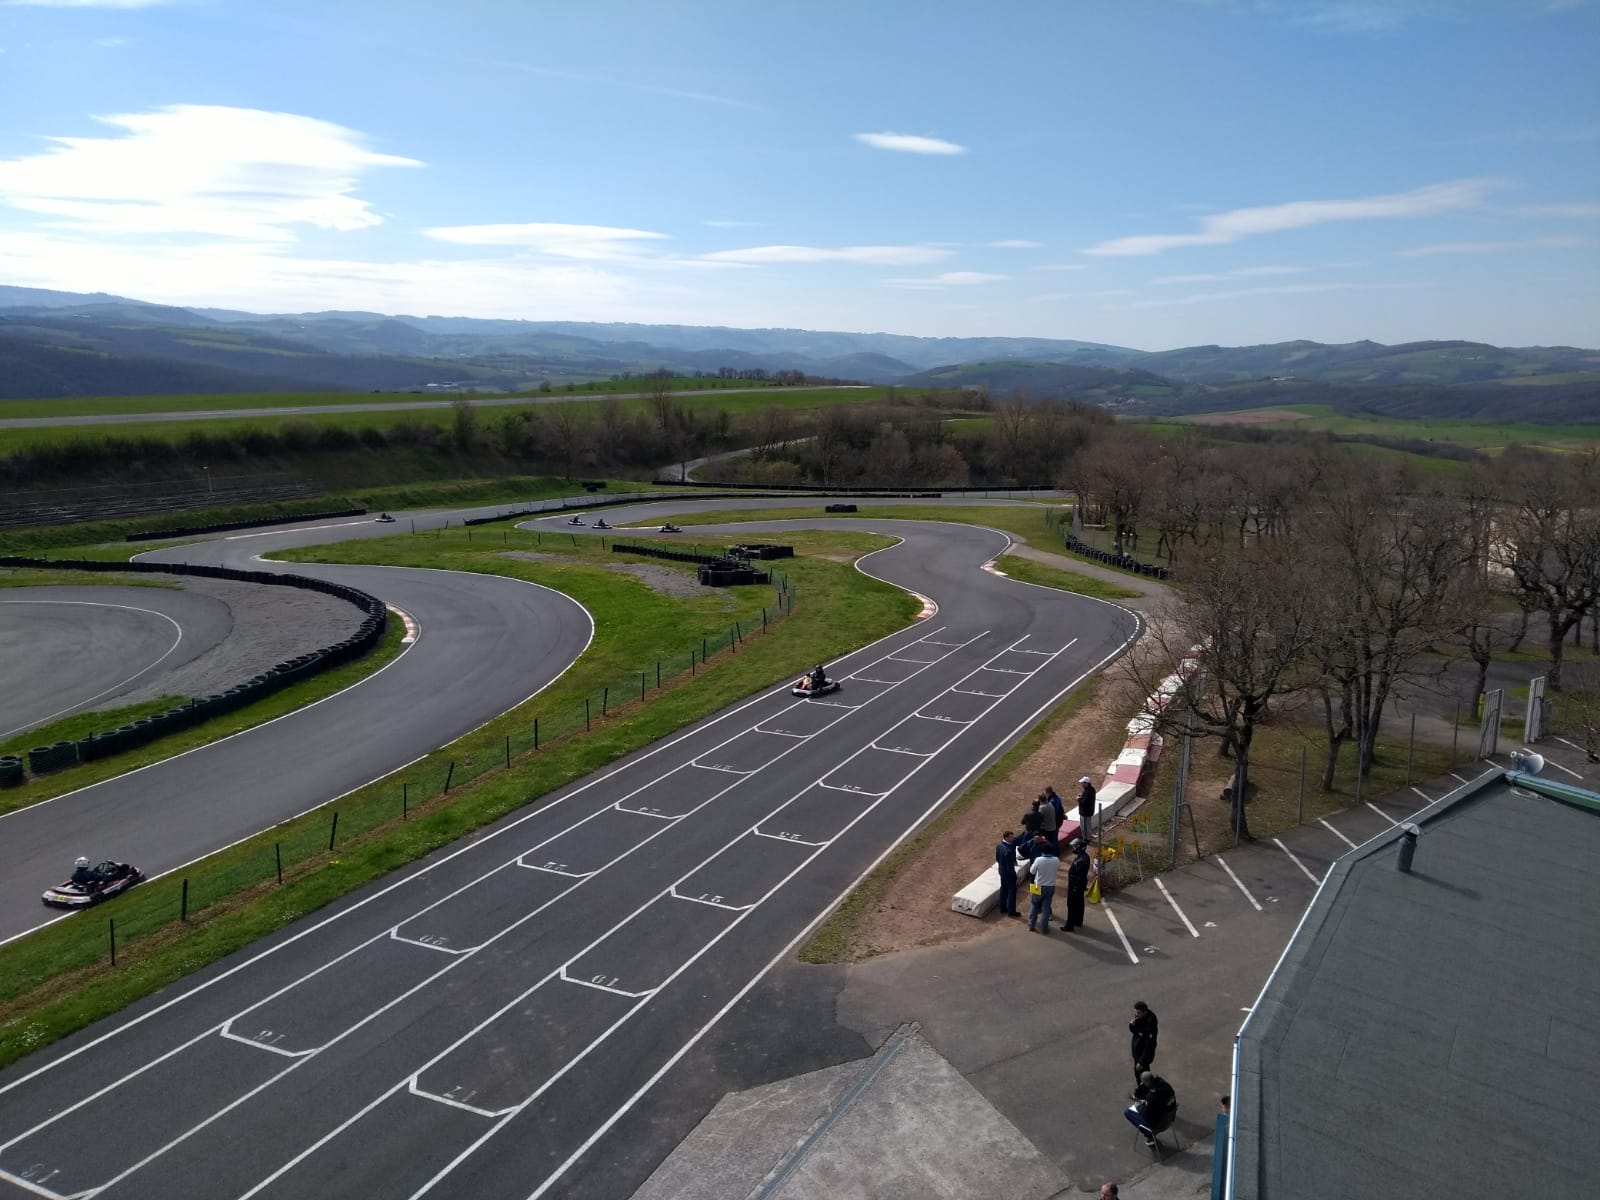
x=1005, y=858
x=1086, y=803
x=1077, y=886
x=1043, y=887
x=1050, y=797
x=1032, y=823
x=1143, y=1029
x=1050, y=825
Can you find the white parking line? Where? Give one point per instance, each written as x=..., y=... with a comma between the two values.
x=1426, y=799
x=1117, y=925
x=1295, y=861
x=1453, y=775
x=1336, y=833
x=1182, y=916
x=1380, y=812
x=1239, y=883
x=1550, y=762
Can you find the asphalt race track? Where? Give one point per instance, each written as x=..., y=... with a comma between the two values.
x=483, y=1025
x=64, y=648
x=486, y=644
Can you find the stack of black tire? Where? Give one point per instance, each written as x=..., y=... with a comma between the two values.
x=105, y=742
x=840, y=508
x=11, y=772
x=1124, y=561
x=762, y=550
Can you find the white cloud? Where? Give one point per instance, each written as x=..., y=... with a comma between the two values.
x=1222, y=228
x=1288, y=289
x=1580, y=211
x=82, y=3
x=197, y=169
x=729, y=224
x=1063, y=267
x=1546, y=243
x=593, y=242
x=910, y=143
x=1253, y=273
x=1095, y=295
x=631, y=85
x=878, y=256
x=1016, y=244
x=947, y=279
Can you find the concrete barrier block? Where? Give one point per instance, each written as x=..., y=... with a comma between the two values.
x=979, y=896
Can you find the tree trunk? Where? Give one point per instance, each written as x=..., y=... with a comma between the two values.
x=1522, y=632
x=1481, y=685
x=1558, y=646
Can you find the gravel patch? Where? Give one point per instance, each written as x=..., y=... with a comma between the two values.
x=270, y=623
x=666, y=580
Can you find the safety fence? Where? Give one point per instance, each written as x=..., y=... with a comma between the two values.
x=301, y=846
x=106, y=742
x=151, y=535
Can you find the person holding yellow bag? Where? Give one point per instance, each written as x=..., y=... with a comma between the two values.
x=1043, y=888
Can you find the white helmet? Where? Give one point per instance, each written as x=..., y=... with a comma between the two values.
x=81, y=862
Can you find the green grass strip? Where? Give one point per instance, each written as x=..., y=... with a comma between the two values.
x=1028, y=571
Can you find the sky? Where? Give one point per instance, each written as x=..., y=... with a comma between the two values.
x=1145, y=173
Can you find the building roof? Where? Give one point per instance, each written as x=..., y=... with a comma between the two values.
x=1437, y=1033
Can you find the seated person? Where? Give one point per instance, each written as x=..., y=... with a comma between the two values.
x=83, y=874
x=819, y=677
x=1154, y=1106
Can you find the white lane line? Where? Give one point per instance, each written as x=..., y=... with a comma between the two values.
x=1553, y=763
x=1336, y=833
x=903, y=750
x=710, y=902
x=378, y=937
x=848, y=787
x=725, y=770
x=1117, y=925
x=454, y=1103
x=1296, y=861
x=29, y=724
x=1238, y=883
x=694, y=1040
x=1380, y=812
x=1182, y=916
x=1453, y=775
x=1426, y=799
x=565, y=978
x=337, y=1130
x=1574, y=745
x=784, y=837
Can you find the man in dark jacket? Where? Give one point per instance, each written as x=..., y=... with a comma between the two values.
x=1154, y=1106
x=1005, y=857
x=1032, y=822
x=1077, y=886
x=1086, y=808
x=1143, y=1029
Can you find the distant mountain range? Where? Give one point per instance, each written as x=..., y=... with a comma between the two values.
x=73, y=344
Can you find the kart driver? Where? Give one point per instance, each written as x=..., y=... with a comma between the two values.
x=819, y=677
x=83, y=874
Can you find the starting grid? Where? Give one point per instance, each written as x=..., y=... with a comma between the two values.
x=510, y=1059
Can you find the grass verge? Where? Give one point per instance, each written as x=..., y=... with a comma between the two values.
x=1024, y=520
x=1028, y=571
x=832, y=941
x=58, y=979
x=46, y=577
x=295, y=696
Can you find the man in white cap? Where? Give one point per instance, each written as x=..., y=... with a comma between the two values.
x=1086, y=808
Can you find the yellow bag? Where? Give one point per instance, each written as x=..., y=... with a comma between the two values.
x=1035, y=890
x=1093, y=894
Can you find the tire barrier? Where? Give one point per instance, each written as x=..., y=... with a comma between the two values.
x=11, y=772
x=840, y=508
x=105, y=742
x=732, y=574
x=716, y=570
x=762, y=550
x=1125, y=561
x=191, y=530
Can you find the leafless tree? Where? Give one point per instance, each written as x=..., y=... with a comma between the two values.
x=1548, y=539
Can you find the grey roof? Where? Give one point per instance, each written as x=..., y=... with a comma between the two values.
x=1436, y=1034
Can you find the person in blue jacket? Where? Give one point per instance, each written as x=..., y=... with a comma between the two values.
x=1005, y=857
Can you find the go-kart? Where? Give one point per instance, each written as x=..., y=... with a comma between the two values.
x=805, y=687
x=384, y=519
x=108, y=879
x=574, y=520
x=601, y=524
x=669, y=527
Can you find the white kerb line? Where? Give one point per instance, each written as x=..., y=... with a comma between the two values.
x=1336, y=833
x=1380, y=812
x=1182, y=916
x=1238, y=883
x=1112, y=917
x=1295, y=861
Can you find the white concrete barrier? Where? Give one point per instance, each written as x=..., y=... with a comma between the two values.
x=979, y=896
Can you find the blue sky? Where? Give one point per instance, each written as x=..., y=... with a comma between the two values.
x=1150, y=173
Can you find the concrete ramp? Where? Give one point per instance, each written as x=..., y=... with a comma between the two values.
x=901, y=1124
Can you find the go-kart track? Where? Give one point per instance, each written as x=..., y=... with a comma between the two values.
x=485, y=1023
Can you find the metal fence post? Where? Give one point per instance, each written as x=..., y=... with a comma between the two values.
x=1455, y=734
x=641, y=685
x=1300, y=807
x=508, y=749
x=605, y=700
x=183, y=905
x=536, y=733
x=112, y=923
x=277, y=851
x=658, y=674
x=702, y=649
x=586, y=714
x=333, y=830
x=1411, y=747
x=449, y=775
x=405, y=801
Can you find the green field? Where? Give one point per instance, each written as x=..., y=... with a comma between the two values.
x=1480, y=435
x=734, y=402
